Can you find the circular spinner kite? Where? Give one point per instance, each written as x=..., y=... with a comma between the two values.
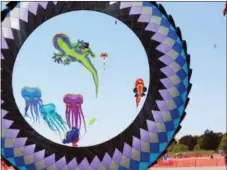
x=146, y=139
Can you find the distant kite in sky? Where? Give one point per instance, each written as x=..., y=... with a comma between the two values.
x=104, y=57
x=225, y=9
x=139, y=90
x=92, y=121
x=215, y=45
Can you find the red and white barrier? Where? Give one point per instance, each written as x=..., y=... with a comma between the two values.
x=193, y=162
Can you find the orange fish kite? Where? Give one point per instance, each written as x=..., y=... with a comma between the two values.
x=139, y=90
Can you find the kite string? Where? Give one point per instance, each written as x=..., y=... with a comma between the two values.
x=104, y=64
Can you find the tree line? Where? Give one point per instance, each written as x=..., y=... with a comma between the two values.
x=209, y=140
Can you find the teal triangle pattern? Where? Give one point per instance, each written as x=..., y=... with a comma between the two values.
x=143, y=165
x=12, y=161
x=23, y=168
x=185, y=68
x=182, y=52
x=185, y=81
x=184, y=96
x=153, y=157
x=176, y=123
x=162, y=146
x=170, y=135
x=181, y=109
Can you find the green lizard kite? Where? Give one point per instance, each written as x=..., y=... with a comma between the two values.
x=74, y=52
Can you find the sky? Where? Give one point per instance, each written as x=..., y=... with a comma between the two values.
x=203, y=25
x=202, y=28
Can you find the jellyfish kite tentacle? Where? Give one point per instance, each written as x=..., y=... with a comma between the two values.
x=36, y=110
x=50, y=124
x=68, y=118
x=32, y=97
x=55, y=125
x=52, y=118
x=34, y=107
x=68, y=113
x=75, y=118
x=80, y=122
x=31, y=110
x=85, y=127
x=61, y=123
x=26, y=110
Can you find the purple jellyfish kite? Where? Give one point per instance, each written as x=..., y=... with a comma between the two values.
x=74, y=113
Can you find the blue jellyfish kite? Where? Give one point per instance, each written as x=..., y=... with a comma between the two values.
x=72, y=136
x=32, y=97
x=52, y=118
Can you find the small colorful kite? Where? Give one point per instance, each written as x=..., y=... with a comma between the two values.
x=72, y=136
x=139, y=90
x=225, y=9
x=104, y=57
x=92, y=121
